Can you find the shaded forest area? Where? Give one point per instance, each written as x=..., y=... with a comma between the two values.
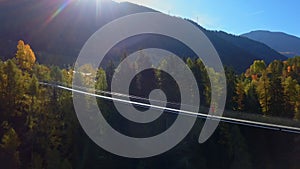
x=39, y=128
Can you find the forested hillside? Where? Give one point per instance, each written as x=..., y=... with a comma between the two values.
x=39, y=129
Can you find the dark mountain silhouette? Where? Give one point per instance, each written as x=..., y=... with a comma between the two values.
x=57, y=37
x=238, y=51
x=56, y=40
x=286, y=44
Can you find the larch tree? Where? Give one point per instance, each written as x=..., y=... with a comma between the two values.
x=9, y=148
x=274, y=73
x=240, y=95
x=33, y=90
x=263, y=91
x=231, y=84
x=257, y=68
x=297, y=104
x=25, y=57
x=14, y=89
x=291, y=96
x=101, y=83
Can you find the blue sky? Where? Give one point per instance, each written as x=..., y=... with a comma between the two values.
x=234, y=16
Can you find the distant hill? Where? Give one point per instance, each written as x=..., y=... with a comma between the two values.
x=57, y=37
x=239, y=52
x=286, y=44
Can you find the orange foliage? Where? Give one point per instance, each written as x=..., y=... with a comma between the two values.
x=289, y=69
x=25, y=56
x=254, y=77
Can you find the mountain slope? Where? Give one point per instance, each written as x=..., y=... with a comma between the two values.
x=284, y=43
x=58, y=35
x=238, y=51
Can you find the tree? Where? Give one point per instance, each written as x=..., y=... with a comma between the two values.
x=9, y=155
x=25, y=57
x=203, y=82
x=252, y=104
x=257, y=67
x=56, y=74
x=263, y=91
x=42, y=72
x=276, y=98
x=88, y=73
x=110, y=70
x=275, y=69
x=36, y=161
x=34, y=88
x=240, y=95
x=3, y=80
x=231, y=87
x=291, y=96
x=236, y=151
x=14, y=89
x=33, y=92
x=274, y=72
x=297, y=105
x=293, y=68
x=34, y=118
x=101, y=83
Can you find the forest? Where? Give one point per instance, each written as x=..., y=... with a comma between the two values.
x=39, y=128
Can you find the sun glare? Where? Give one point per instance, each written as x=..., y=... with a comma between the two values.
x=58, y=10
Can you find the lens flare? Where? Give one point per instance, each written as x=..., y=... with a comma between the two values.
x=58, y=11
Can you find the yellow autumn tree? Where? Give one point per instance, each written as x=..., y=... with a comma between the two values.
x=25, y=57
